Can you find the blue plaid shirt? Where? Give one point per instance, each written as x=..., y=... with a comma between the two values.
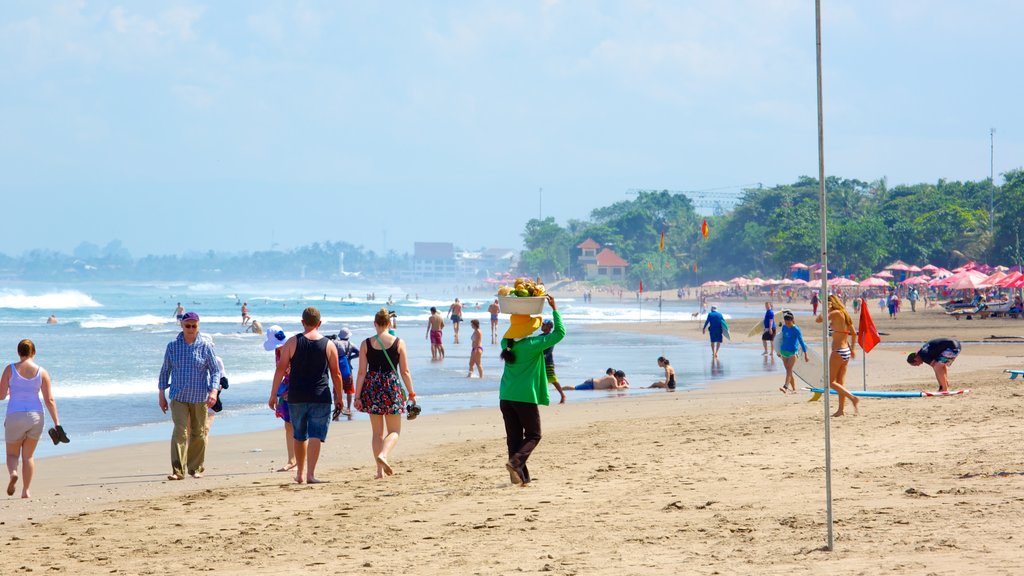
x=189, y=370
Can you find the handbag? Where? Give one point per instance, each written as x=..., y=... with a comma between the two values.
x=413, y=410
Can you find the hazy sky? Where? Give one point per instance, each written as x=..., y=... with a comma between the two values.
x=178, y=126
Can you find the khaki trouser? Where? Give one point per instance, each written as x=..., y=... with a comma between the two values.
x=189, y=436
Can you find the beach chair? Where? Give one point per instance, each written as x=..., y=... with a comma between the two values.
x=1014, y=373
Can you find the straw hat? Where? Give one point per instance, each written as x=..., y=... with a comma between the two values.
x=522, y=325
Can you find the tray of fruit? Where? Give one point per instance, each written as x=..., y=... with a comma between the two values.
x=525, y=296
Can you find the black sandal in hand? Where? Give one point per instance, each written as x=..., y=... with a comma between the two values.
x=58, y=435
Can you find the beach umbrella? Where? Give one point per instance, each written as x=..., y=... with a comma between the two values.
x=929, y=267
x=842, y=281
x=898, y=265
x=798, y=266
x=916, y=280
x=883, y=274
x=913, y=268
x=1009, y=279
x=968, y=282
x=873, y=282
x=995, y=278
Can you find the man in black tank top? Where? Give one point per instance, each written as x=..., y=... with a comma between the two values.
x=311, y=357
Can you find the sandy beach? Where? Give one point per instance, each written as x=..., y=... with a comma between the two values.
x=728, y=480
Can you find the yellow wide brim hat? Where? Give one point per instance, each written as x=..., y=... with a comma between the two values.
x=522, y=325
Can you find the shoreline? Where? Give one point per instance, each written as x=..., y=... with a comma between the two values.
x=677, y=480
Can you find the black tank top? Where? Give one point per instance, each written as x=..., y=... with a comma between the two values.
x=375, y=359
x=308, y=378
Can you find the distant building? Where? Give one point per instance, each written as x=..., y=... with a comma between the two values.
x=434, y=261
x=598, y=263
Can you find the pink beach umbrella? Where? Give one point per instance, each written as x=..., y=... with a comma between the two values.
x=842, y=281
x=873, y=282
x=883, y=274
x=995, y=278
x=929, y=267
x=969, y=281
x=798, y=266
x=1009, y=279
x=916, y=280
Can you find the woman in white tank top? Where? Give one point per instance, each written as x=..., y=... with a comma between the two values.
x=24, y=381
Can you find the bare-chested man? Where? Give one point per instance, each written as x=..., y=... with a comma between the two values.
x=493, y=309
x=434, y=326
x=455, y=313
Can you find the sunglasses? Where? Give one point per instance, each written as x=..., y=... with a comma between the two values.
x=190, y=326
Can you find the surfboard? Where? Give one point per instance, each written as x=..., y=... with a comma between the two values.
x=757, y=329
x=811, y=372
x=817, y=392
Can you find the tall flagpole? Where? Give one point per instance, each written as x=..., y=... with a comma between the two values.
x=824, y=282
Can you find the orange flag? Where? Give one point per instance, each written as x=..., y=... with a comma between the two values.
x=704, y=228
x=661, y=245
x=694, y=266
x=867, y=334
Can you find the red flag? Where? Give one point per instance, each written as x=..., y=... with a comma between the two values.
x=704, y=228
x=641, y=286
x=695, y=267
x=661, y=245
x=867, y=334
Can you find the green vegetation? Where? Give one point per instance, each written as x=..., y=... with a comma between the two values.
x=870, y=225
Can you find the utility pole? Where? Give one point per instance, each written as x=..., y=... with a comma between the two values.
x=991, y=179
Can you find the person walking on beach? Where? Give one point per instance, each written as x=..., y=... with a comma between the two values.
x=179, y=312
x=191, y=371
x=245, y=313
x=455, y=313
x=493, y=310
x=814, y=303
x=346, y=352
x=275, y=339
x=768, y=336
x=842, y=352
x=549, y=360
x=24, y=381
x=792, y=337
x=435, y=324
x=939, y=353
x=308, y=358
x=379, y=389
x=715, y=326
x=524, y=386
x=476, y=355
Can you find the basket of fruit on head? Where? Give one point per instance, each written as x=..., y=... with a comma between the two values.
x=525, y=296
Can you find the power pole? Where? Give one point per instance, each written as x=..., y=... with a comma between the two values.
x=991, y=180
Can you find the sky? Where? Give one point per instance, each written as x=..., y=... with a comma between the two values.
x=176, y=126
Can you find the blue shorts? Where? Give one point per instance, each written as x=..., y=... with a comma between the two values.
x=309, y=420
x=588, y=385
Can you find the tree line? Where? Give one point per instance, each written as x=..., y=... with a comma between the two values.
x=869, y=225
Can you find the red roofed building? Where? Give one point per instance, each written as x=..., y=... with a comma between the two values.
x=603, y=264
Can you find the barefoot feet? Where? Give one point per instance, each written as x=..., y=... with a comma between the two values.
x=382, y=463
x=287, y=467
x=11, y=484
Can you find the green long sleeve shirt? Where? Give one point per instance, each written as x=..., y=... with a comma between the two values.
x=526, y=380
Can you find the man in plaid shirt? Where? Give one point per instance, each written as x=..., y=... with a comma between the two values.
x=190, y=370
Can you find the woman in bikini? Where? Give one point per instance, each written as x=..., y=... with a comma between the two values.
x=670, y=375
x=842, y=352
x=477, y=355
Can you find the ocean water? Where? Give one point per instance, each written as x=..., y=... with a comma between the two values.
x=105, y=352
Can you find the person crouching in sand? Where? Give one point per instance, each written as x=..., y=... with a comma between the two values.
x=842, y=328
x=524, y=386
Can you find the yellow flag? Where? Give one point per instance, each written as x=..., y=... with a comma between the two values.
x=661, y=245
